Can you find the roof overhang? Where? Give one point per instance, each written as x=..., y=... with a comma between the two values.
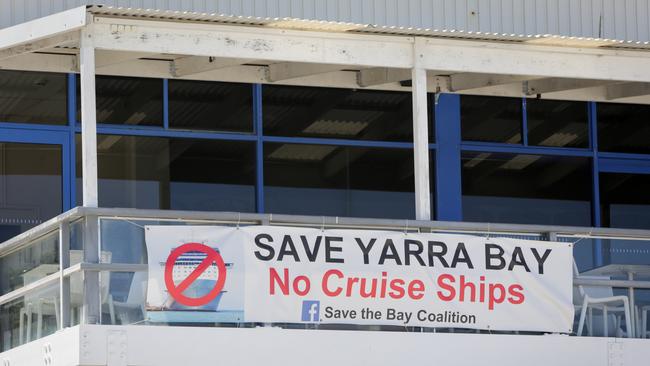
x=167, y=44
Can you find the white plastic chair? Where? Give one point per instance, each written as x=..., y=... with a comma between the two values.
x=602, y=298
x=644, y=321
x=47, y=303
x=135, y=300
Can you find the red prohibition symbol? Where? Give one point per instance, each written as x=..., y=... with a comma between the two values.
x=176, y=291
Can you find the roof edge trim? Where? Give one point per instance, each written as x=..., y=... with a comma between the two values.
x=42, y=28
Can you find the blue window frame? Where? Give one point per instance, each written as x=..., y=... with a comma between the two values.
x=446, y=146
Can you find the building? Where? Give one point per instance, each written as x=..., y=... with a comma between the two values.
x=498, y=118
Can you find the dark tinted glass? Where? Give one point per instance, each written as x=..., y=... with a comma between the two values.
x=337, y=113
x=129, y=101
x=624, y=128
x=338, y=181
x=203, y=105
x=526, y=189
x=33, y=97
x=179, y=174
x=625, y=200
x=490, y=119
x=557, y=123
x=30, y=186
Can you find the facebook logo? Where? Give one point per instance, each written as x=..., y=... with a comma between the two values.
x=310, y=311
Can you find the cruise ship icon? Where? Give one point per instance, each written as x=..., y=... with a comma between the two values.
x=186, y=264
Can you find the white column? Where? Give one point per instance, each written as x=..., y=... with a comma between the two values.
x=88, y=118
x=420, y=138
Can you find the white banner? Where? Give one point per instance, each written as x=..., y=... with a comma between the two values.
x=276, y=274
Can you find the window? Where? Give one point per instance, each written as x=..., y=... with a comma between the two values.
x=557, y=123
x=526, y=189
x=490, y=119
x=624, y=200
x=337, y=113
x=338, y=181
x=215, y=106
x=624, y=128
x=179, y=174
x=127, y=101
x=33, y=97
x=30, y=186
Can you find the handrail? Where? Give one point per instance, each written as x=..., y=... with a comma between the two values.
x=319, y=221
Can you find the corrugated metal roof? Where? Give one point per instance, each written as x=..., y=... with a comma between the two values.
x=332, y=26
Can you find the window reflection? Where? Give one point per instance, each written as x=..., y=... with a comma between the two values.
x=30, y=186
x=338, y=181
x=624, y=128
x=180, y=174
x=490, y=119
x=337, y=113
x=128, y=101
x=526, y=189
x=216, y=106
x=557, y=123
x=33, y=97
x=624, y=200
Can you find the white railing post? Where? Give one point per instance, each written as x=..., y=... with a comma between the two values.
x=64, y=282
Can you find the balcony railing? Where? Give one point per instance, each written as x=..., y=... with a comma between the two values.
x=88, y=265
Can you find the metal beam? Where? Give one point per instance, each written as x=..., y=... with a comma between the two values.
x=43, y=44
x=279, y=45
x=42, y=62
x=552, y=85
x=469, y=81
x=194, y=64
x=42, y=28
x=293, y=70
x=539, y=61
x=382, y=75
x=89, y=119
x=106, y=58
x=420, y=138
x=627, y=90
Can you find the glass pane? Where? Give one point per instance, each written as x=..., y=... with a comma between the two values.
x=216, y=106
x=624, y=128
x=27, y=265
x=526, y=189
x=625, y=200
x=29, y=318
x=128, y=101
x=339, y=181
x=179, y=174
x=557, y=123
x=30, y=186
x=33, y=97
x=490, y=119
x=122, y=297
x=337, y=113
x=123, y=241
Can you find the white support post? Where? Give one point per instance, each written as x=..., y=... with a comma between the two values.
x=420, y=138
x=88, y=117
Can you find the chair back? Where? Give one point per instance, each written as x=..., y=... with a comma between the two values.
x=596, y=292
x=137, y=291
x=578, y=291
